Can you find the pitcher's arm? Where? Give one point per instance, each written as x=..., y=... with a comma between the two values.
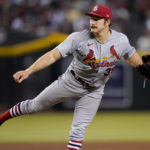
x=135, y=60
x=44, y=61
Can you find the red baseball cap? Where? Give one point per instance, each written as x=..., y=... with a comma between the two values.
x=101, y=11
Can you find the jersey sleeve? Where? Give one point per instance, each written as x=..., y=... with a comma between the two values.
x=128, y=49
x=69, y=45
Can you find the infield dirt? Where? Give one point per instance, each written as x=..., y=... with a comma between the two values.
x=86, y=146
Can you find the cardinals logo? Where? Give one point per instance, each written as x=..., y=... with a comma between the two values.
x=102, y=62
x=113, y=52
x=89, y=56
x=95, y=8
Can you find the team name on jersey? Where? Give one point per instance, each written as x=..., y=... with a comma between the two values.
x=94, y=63
x=104, y=63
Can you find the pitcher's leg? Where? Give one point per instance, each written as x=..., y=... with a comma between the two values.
x=49, y=96
x=85, y=110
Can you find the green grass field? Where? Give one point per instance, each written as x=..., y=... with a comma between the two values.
x=55, y=126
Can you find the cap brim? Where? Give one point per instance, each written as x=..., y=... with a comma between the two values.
x=93, y=14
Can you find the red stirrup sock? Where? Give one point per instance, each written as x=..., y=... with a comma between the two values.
x=13, y=112
x=5, y=116
x=74, y=145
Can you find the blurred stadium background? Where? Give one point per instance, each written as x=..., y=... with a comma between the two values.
x=29, y=28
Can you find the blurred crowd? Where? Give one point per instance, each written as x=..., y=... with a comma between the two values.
x=38, y=18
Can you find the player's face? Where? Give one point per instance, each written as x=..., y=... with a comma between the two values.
x=98, y=24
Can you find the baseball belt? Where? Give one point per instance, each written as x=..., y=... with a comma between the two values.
x=82, y=82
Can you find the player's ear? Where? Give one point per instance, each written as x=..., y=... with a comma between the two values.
x=107, y=21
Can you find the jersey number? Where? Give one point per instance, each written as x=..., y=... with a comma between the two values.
x=108, y=71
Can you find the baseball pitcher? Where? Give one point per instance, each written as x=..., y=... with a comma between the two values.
x=96, y=52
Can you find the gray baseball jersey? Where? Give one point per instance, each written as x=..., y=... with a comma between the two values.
x=94, y=61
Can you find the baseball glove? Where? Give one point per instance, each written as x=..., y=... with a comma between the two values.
x=146, y=58
x=144, y=69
